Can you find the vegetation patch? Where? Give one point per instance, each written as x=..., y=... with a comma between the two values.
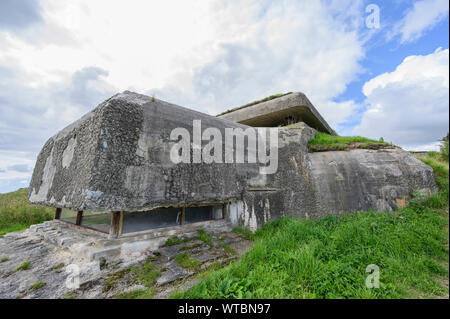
x=16, y=213
x=172, y=241
x=246, y=233
x=191, y=247
x=70, y=295
x=228, y=249
x=325, y=142
x=4, y=260
x=137, y=294
x=254, y=102
x=328, y=258
x=186, y=261
x=145, y=274
x=111, y=279
x=59, y=266
x=204, y=237
x=38, y=285
x=24, y=266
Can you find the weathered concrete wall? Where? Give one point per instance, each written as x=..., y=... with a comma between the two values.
x=63, y=168
x=117, y=157
x=313, y=185
x=383, y=180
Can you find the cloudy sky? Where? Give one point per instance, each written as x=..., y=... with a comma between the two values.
x=59, y=59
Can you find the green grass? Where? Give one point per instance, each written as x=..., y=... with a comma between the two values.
x=16, y=213
x=4, y=260
x=70, y=295
x=204, y=237
x=440, y=167
x=247, y=234
x=38, y=285
x=137, y=294
x=228, y=249
x=327, y=258
x=186, y=261
x=145, y=274
x=444, y=153
x=271, y=97
x=24, y=266
x=326, y=142
x=172, y=241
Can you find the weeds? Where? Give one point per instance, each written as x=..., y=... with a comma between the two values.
x=38, y=285
x=24, y=266
x=16, y=213
x=186, y=261
x=326, y=142
x=204, y=237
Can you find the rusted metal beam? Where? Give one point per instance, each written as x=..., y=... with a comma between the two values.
x=116, y=224
x=121, y=223
x=182, y=216
x=224, y=210
x=79, y=217
x=58, y=213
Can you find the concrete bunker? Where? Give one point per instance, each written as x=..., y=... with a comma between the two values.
x=111, y=171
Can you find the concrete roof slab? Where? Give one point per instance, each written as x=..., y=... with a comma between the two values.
x=273, y=112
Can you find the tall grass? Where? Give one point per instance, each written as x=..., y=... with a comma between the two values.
x=326, y=142
x=444, y=149
x=16, y=213
x=327, y=258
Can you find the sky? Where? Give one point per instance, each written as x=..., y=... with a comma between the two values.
x=371, y=68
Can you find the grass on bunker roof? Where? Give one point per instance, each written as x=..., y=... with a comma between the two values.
x=327, y=258
x=326, y=142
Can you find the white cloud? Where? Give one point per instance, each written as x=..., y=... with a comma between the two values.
x=278, y=53
x=409, y=106
x=147, y=45
x=206, y=55
x=423, y=16
x=15, y=165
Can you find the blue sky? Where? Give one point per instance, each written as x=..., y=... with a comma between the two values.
x=59, y=59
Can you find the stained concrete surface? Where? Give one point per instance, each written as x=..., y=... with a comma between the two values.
x=53, y=249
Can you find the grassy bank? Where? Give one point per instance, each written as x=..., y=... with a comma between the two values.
x=325, y=142
x=16, y=213
x=327, y=258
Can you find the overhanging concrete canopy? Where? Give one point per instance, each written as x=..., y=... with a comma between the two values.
x=274, y=112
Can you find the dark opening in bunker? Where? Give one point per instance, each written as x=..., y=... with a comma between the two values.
x=117, y=223
x=68, y=215
x=100, y=221
x=140, y=221
x=97, y=220
x=167, y=217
